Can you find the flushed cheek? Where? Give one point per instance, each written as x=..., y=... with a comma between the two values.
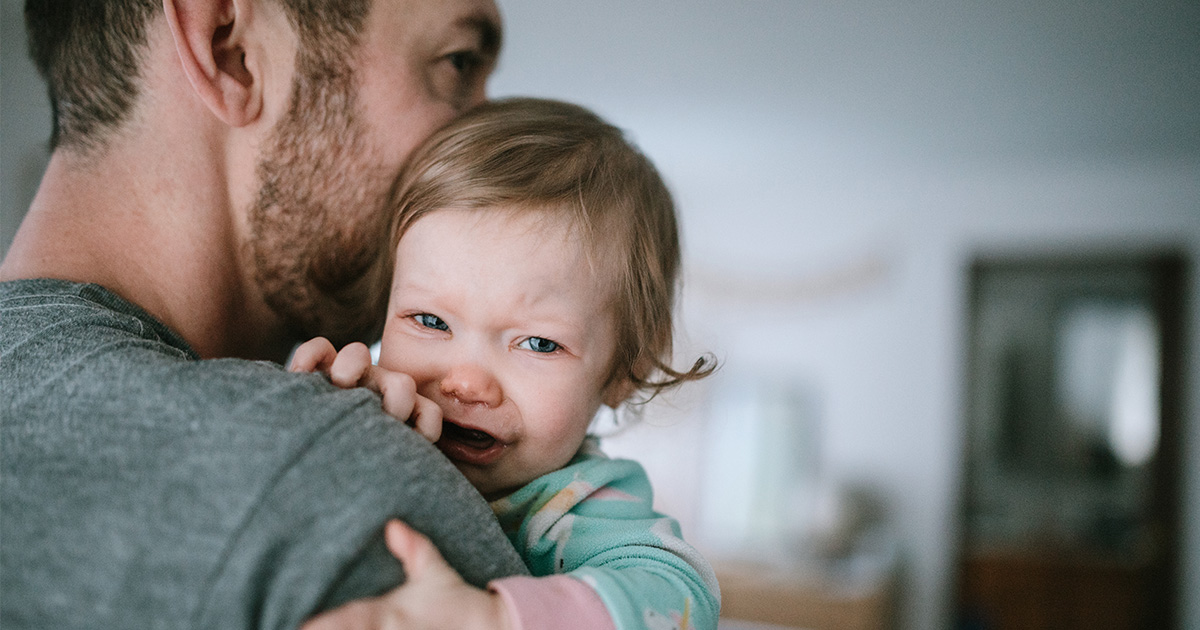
x=428, y=381
x=564, y=428
x=399, y=352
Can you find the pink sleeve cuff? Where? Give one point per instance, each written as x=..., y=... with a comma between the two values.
x=551, y=603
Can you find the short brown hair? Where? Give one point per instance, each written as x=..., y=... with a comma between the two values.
x=540, y=154
x=90, y=53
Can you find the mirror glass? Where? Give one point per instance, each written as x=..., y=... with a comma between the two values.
x=1069, y=502
x=1107, y=379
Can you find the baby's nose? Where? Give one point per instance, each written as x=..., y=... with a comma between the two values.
x=472, y=384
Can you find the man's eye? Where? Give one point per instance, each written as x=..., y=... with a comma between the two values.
x=431, y=321
x=539, y=344
x=464, y=61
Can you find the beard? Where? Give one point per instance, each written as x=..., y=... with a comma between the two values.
x=317, y=226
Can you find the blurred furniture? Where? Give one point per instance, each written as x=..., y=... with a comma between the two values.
x=756, y=594
x=1031, y=590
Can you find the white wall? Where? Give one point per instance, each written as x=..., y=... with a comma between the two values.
x=24, y=123
x=841, y=162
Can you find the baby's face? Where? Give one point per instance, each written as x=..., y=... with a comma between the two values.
x=502, y=321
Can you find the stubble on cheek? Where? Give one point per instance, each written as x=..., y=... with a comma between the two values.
x=317, y=225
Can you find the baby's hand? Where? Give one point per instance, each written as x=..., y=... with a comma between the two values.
x=351, y=367
x=434, y=597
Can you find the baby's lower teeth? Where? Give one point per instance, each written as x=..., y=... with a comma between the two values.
x=470, y=437
x=478, y=436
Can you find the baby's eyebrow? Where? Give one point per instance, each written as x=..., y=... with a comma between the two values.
x=410, y=286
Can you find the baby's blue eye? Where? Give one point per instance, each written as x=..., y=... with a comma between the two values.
x=539, y=344
x=431, y=321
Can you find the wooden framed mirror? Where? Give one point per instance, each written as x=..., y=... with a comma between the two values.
x=1069, y=505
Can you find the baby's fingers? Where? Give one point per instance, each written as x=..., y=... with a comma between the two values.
x=314, y=355
x=398, y=390
x=351, y=366
x=401, y=401
x=426, y=418
x=361, y=614
x=416, y=552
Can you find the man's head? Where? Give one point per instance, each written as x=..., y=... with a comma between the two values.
x=369, y=81
x=317, y=228
x=91, y=55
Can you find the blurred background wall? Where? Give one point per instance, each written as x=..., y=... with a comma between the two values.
x=838, y=167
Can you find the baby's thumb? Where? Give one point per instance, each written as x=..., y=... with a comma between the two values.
x=413, y=550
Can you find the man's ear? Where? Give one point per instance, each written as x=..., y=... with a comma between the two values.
x=210, y=40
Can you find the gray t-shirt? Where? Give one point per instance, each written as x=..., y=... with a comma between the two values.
x=142, y=487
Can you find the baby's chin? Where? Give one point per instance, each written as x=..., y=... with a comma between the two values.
x=493, y=489
x=495, y=494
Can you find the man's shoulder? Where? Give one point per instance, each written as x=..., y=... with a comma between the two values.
x=61, y=338
x=225, y=491
x=69, y=314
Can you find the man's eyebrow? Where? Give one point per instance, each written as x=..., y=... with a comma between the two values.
x=490, y=34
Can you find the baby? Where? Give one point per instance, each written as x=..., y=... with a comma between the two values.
x=536, y=259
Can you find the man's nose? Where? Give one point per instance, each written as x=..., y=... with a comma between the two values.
x=472, y=384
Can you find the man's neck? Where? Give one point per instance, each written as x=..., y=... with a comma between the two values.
x=152, y=231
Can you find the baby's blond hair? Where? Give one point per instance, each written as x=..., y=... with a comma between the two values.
x=538, y=154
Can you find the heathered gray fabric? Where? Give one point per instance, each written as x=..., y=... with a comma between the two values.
x=141, y=487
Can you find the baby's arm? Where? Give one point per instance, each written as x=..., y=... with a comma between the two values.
x=594, y=521
x=351, y=367
x=433, y=596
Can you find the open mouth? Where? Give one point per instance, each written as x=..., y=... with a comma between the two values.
x=472, y=446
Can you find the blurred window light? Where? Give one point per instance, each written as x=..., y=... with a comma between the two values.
x=1108, y=375
x=761, y=467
